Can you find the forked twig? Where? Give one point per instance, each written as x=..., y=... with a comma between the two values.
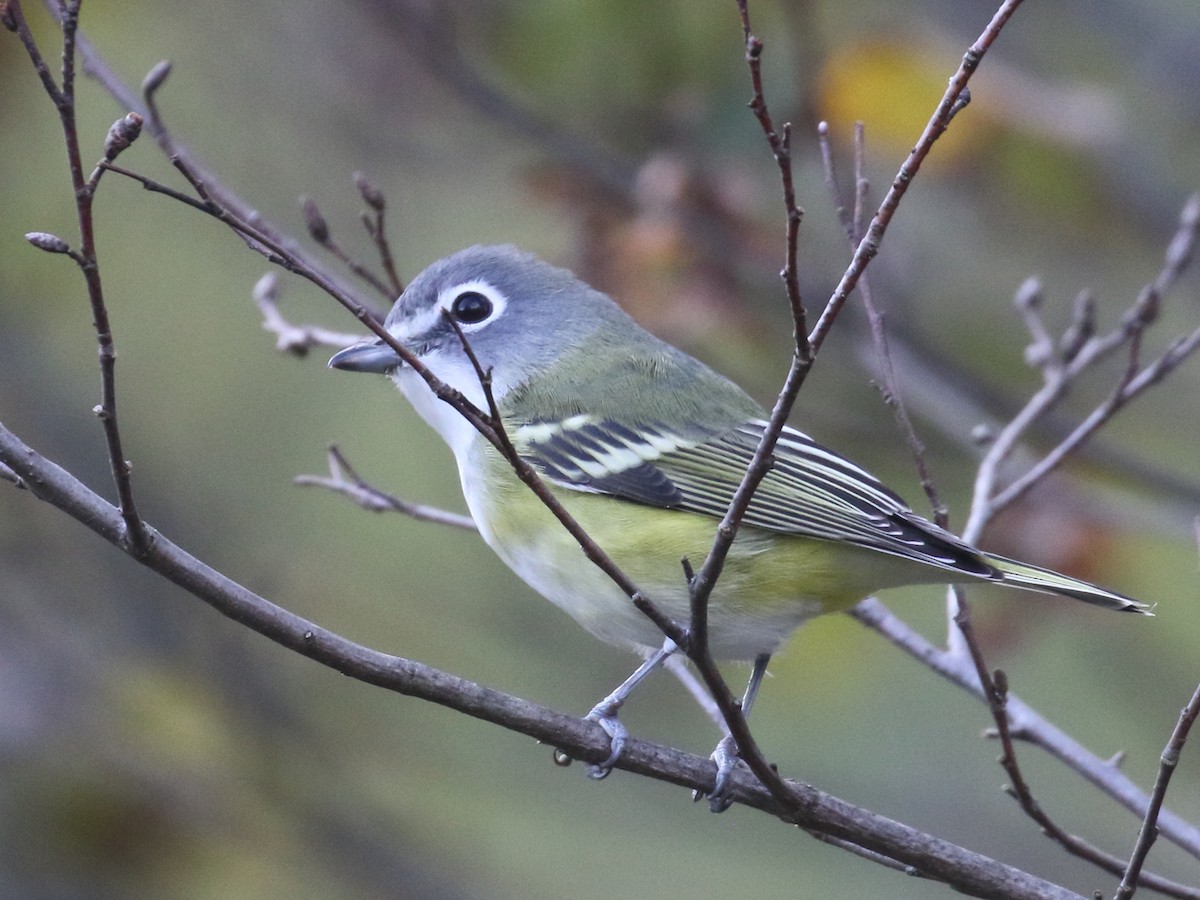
x=344, y=479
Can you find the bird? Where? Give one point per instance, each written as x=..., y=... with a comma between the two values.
x=644, y=446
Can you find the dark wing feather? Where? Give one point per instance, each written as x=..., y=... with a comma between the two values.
x=810, y=490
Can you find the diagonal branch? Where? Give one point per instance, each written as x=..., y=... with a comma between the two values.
x=814, y=810
x=807, y=346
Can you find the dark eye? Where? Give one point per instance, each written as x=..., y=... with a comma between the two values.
x=471, y=307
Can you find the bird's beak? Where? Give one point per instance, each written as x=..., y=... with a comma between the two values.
x=370, y=356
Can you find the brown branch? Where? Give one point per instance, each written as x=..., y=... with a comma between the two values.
x=497, y=435
x=806, y=347
x=814, y=810
x=876, y=319
x=1025, y=723
x=319, y=231
x=995, y=693
x=83, y=191
x=205, y=191
x=374, y=219
x=1132, y=876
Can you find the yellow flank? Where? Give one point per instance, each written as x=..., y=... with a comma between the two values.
x=771, y=582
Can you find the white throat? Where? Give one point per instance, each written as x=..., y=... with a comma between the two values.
x=443, y=418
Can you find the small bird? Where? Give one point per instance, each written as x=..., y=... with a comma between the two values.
x=644, y=446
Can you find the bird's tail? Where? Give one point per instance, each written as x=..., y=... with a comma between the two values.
x=1021, y=574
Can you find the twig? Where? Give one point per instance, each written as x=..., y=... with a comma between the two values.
x=345, y=480
x=995, y=693
x=1024, y=722
x=294, y=339
x=876, y=319
x=1060, y=369
x=375, y=221
x=7, y=474
x=779, y=140
x=146, y=104
x=1168, y=762
x=497, y=435
x=468, y=417
x=63, y=98
x=964, y=870
x=319, y=231
x=806, y=346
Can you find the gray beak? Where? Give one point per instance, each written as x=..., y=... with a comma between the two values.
x=370, y=356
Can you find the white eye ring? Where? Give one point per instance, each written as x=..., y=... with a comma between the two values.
x=450, y=298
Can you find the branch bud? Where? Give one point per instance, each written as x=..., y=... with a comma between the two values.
x=314, y=221
x=123, y=132
x=371, y=195
x=1029, y=294
x=982, y=435
x=266, y=289
x=51, y=243
x=7, y=17
x=155, y=77
x=1081, y=329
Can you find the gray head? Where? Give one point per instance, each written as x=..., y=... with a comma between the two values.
x=518, y=313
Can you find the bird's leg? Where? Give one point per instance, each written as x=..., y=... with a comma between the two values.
x=604, y=713
x=726, y=753
x=677, y=666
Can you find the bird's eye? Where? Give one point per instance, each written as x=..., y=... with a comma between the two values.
x=471, y=307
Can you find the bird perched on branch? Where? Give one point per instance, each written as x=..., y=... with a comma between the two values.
x=644, y=446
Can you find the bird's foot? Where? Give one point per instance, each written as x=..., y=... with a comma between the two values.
x=605, y=716
x=725, y=755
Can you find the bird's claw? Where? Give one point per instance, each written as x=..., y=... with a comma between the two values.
x=725, y=755
x=616, y=734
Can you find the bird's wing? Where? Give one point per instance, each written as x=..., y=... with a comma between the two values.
x=810, y=490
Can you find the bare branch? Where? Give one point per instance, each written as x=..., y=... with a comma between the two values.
x=7, y=474
x=318, y=230
x=1025, y=723
x=806, y=349
x=294, y=339
x=995, y=692
x=890, y=389
x=85, y=257
x=374, y=220
x=965, y=870
x=345, y=480
x=1169, y=760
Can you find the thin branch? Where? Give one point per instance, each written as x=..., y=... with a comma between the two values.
x=83, y=191
x=497, y=435
x=343, y=479
x=953, y=101
x=374, y=219
x=253, y=216
x=876, y=319
x=962, y=869
x=294, y=339
x=779, y=140
x=995, y=692
x=1168, y=762
x=1064, y=364
x=1025, y=723
x=807, y=346
x=7, y=474
x=319, y=231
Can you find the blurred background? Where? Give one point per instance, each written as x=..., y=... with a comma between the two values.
x=149, y=747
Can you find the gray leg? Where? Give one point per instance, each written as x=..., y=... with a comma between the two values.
x=604, y=713
x=726, y=753
x=677, y=666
